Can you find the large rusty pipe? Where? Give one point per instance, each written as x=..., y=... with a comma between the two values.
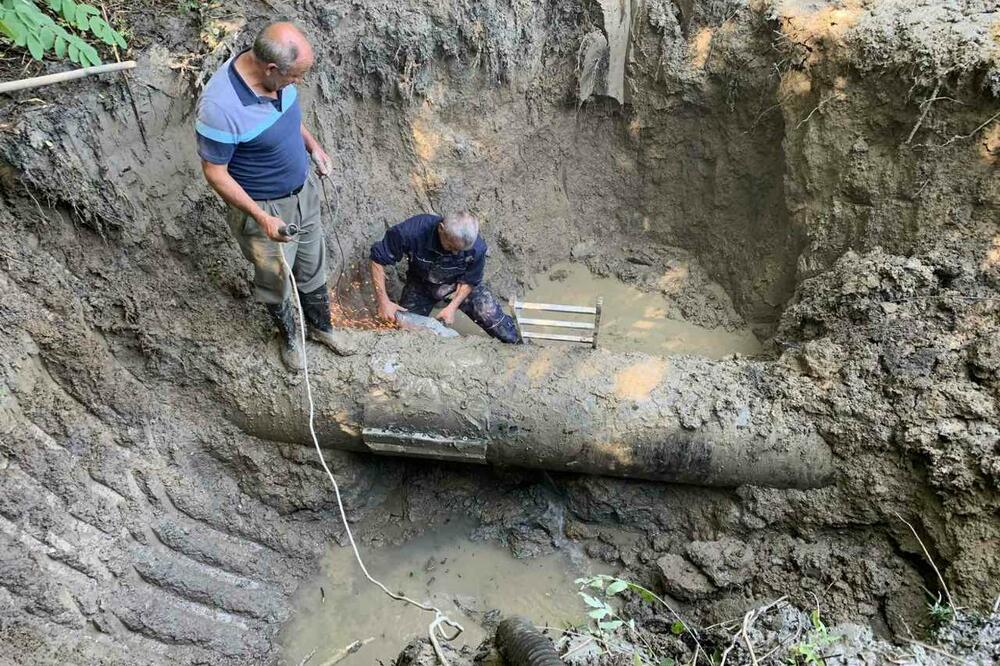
x=684, y=420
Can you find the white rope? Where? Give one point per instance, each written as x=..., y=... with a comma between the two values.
x=439, y=616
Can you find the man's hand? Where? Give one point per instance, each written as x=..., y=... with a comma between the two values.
x=271, y=225
x=387, y=310
x=323, y=162
x=447, y=315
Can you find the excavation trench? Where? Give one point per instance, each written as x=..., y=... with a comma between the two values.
x=806, y=347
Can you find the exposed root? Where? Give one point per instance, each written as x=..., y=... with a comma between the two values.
x=944, y=586
x=926, y=105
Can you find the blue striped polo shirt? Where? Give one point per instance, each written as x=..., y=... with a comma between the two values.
x=260, y=138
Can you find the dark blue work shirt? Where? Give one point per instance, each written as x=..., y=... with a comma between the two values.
x=417, y=240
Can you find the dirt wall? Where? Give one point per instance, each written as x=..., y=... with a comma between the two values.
x=784, y=145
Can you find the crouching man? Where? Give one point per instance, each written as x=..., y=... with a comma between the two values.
x=446, y=257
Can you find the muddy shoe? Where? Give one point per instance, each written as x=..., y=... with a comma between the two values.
x=335, y=340
x=288, y=336
x=316, y=309
x=291, y=356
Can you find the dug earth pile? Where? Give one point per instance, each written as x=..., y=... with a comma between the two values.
x=824, y=172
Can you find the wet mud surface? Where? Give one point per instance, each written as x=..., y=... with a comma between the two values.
x=475, y=582
x=631, y=319
x=831, y=166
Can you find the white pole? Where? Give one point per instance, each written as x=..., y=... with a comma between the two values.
x=11, y=86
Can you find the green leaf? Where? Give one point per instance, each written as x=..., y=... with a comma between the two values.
x=667, y=661
x=4, y=28
x=82, y=20
x=600, y=613
x=610, y=625
x=35, y=47
x=27, y=13
x=636, y=659
x=19, y=30
x=69, y=10
x=44, y=20
x=47, y=37
x=677, y=628
x=118, y=39
x=616, y=587
x=591, y=601
x=643, y=593
x=97, y=26
x=88, y=9
x=90, y=55
x=74, y=52
x=60, y=47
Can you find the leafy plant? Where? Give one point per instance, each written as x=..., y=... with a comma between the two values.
x=28, y=26
x=810, y=650
x=600, y=593
x=941, y=613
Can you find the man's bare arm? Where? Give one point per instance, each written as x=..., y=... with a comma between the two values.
x=447, y=314
x=319, y=156
x=232, y=193
x=386, y=308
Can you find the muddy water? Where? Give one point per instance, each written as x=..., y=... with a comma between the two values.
x=463, y=578
x=632, y=320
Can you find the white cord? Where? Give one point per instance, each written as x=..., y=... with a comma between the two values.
x=439, y=616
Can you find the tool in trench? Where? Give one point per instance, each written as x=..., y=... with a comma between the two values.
x=411, y=321
x=435, y=629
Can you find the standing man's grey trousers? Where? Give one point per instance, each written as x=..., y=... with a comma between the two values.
x=305, y=253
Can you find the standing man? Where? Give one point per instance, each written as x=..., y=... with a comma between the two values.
x=255, y=152
x=446, y=257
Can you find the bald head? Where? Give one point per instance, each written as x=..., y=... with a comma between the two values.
x=283, y=53
x=459, y=231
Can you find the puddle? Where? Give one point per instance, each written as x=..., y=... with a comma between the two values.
x=462, y=577
x=632, y=320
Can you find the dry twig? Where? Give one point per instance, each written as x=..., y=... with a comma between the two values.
x=926, y=104
x=823, y=102
x=347, y=651
x=962, y=137
x=939, y=651
x=748, y=620
x=951, y=602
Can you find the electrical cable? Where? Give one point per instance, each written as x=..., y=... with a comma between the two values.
x=435, y=628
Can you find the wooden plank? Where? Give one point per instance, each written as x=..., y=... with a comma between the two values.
x=513, y=312
x=556, y=323
x=597, y=320
x=553, y=336
x=552, y=307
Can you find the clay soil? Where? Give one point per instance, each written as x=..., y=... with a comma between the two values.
x=825, y=172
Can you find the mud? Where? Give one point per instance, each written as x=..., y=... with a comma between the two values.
x=475, y=582
x=831, y=165
x=645, y=315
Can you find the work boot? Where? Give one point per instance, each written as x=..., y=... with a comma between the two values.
x=316, y=308
x=291, y=347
